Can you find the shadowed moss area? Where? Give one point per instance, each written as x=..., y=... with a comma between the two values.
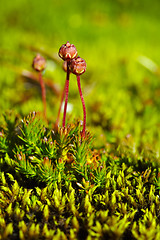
x=54, y=184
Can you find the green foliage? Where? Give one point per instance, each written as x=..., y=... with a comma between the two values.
x=53, y=185
x=41, y=154
x=47, y=213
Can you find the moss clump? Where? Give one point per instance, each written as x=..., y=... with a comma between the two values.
x=65, y=212
x=54, y=186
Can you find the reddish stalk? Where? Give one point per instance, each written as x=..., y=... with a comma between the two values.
x=84, y=107
x=66, y=95
x=60, y=107
x=39, y=64
x=43, y=91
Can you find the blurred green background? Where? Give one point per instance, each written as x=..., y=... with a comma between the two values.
x=120, y=41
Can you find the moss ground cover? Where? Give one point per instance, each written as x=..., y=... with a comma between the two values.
x=54, y=186
x=53, y=183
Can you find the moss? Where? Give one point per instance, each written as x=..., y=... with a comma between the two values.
x=53, y=185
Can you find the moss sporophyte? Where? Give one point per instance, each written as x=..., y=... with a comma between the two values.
x=76, y=65
x=39, y=64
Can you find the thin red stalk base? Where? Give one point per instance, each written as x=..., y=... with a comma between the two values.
x=83, y=104
x=60, y=107
x=66, y=96
x=43, y=90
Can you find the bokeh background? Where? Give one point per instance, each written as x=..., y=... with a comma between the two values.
x=120, y=41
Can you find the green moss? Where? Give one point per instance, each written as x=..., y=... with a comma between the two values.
x=53, y=185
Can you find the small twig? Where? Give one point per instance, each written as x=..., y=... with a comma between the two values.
x=48, y=82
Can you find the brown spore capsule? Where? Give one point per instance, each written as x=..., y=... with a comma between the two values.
x=39, y=63
x=67, y=51
x=77, y=66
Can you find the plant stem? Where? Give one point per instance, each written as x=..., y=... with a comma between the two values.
x=43, y=90
x=59, y=111
x=66, y=96
x=83, y=104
